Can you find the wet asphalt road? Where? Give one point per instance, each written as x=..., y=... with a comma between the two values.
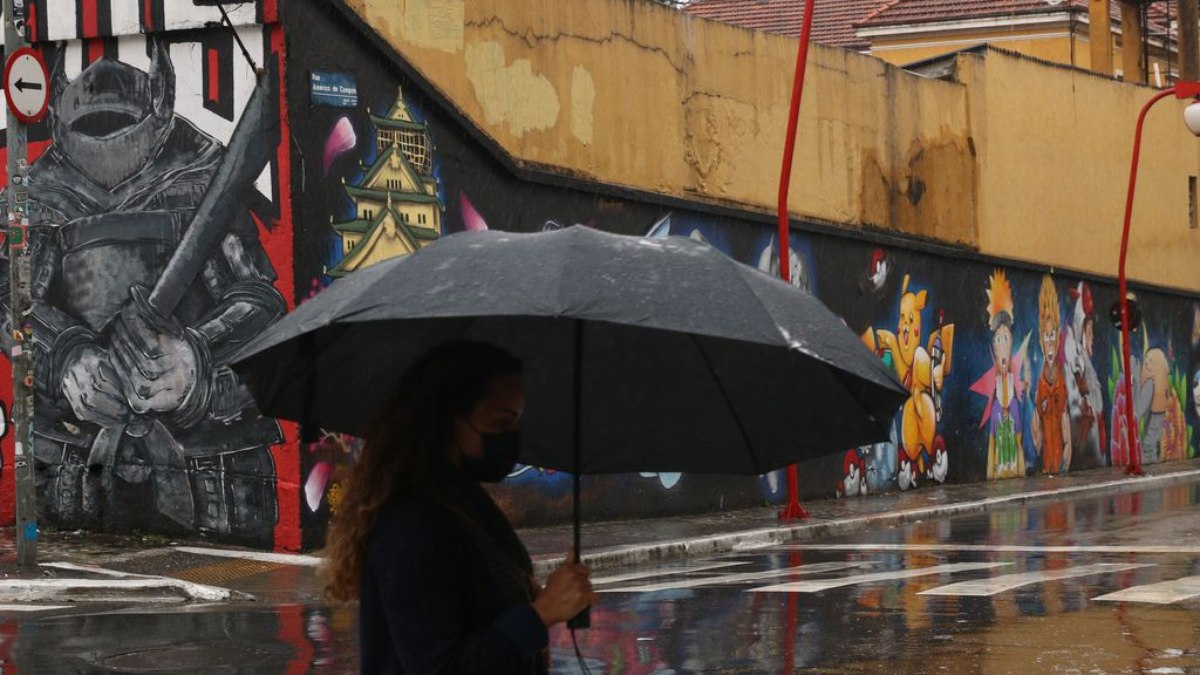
x=1017, y=591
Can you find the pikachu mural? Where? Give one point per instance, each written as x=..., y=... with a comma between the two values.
x=923, y=368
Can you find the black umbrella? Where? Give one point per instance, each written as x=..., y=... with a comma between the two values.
x=640, y=354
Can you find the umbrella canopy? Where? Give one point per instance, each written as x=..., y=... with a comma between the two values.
x=640, y=354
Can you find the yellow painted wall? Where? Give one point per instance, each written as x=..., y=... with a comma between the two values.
x=1017, y=158
x=634, y=94
x=902, y=50
x=1052, y=43
x=1053, y=149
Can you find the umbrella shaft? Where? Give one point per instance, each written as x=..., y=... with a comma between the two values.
x=578, y=440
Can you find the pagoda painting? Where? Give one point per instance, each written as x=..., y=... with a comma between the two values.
x=397, y=209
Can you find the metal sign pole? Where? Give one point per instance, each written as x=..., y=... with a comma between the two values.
x=21, y=347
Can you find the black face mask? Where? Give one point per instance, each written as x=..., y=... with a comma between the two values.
x=500, y=452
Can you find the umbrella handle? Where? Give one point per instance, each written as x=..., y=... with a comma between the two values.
x=581, y=620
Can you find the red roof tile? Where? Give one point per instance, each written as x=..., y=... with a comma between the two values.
x=833, y=23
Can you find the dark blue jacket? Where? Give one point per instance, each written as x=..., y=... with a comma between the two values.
x=429, y=606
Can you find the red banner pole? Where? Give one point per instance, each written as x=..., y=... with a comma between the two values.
x=792, y=510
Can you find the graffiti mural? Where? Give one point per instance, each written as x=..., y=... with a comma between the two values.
x=1160, y=391
x=923, y=368
x=1005, y=384
x=397, y=209
x=1009, y=369
x=1050, y=424
x=1085, y=397
x=140, y=423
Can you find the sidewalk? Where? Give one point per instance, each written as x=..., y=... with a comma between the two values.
x=81, y=567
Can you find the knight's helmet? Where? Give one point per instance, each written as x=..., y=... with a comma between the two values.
x=113, y=118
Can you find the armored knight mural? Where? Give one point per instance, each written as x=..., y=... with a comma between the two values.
x=140, y=423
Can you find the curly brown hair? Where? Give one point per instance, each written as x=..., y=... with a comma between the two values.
x=404, y=447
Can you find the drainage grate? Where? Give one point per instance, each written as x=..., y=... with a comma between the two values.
x=223, y=572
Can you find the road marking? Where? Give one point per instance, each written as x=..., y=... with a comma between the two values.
x=815, y=568
x=1008, y=582
x=32, y=608
x=110, y=590
x=280, y=558
x=662, y=572
x=987, y=548
x=72, y=567
x=1162, y=593
x=195, y=591
x=817, y=585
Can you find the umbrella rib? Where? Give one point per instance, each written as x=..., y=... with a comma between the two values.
x=739, y=273
x=737, y=419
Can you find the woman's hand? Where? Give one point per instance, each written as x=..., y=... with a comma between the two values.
x=567, y=593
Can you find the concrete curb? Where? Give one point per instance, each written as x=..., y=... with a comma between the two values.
x=140, y=589
x=772, y=536
x=105, y=585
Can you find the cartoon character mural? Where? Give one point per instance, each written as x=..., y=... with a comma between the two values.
x=854, y=475
x=1164, y=432
x=1002, y=384
x=140, y=422
x=1050, y=424
x=1120, y=451
x=1159, y=393
x=1085, y=399
x=923, y=369
x=1195, y=383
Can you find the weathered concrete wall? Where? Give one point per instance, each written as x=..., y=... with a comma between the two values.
x=1067, y=43
x=1052, y=43
x=628, y=93
x=1053, y=149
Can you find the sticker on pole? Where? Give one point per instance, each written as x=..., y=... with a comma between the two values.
x=27, y=85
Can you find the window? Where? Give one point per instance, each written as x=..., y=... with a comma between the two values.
x=404, y=217
x=420, y=218
x=1193, y=213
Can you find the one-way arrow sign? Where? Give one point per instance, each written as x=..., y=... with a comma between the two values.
x=26, y=85
x=22, y=85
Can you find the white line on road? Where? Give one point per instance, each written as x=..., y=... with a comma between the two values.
x=816, y=585
x=193, y=590
x=109, y=590
x=1008, y=582
x=989, y=548
x=1162, y=593
x=102, y=571
x=662, y=572
x=32, y=608
x=279, y=558
x=815, y=568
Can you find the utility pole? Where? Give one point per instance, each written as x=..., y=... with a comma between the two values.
x=19, y=274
